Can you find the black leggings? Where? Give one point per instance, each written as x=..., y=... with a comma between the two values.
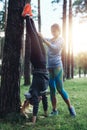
x=45, y=103
x=38, y=55
x=38, y=60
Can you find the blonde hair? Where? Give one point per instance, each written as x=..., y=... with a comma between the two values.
x=56, y=26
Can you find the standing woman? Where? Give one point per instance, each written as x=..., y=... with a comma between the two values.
x=55, y=45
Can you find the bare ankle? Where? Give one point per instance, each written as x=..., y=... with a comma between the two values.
x=34, y=120
x=45, y=113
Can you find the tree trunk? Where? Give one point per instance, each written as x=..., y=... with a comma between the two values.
x=64, y=36
x=69, y=41
x=10, y=77
x=72, y=64
x=72, y=57
x=39, y=17
x=2, y=46
x=84, y=72
x=79, y=72
x=5, y=14
x=27, y=65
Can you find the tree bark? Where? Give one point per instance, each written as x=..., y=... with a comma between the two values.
x=72, y=57
x=10, y=77
x=27, y=65
x=84, y=72
x=39, y=17
x=79, y=72
x=5, y=14
x=64, y=36
x=69, y=41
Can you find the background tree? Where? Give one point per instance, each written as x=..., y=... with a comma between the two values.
x=6, y=4
x=64, y=36
x=3, y=21
x=80, y=7
x=69, y=62
x=81, y=62
x=55, y=1
x=3, y=15
x=10, y=76
x=27, y=64
x=72, y=57
x=39, y=17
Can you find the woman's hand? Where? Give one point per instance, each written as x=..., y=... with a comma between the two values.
x=44, y=40
x=40, y=35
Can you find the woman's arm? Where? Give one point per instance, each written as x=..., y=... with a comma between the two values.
x=47, y=42
x=44, y=40
x=56, y=47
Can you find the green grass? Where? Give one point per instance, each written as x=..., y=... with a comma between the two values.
x=77, y=89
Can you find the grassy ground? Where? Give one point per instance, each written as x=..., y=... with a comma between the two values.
x=77, y=89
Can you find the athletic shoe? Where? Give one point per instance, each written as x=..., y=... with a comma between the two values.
x=72, y=111
x=54, y=113
x=27, y=10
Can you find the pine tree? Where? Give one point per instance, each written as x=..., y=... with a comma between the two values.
x=70, y=42
x=10, y=76
x=27, y=64
x=39, y=17
x=64, y=36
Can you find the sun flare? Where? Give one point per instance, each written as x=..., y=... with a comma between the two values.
x=80, y=37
